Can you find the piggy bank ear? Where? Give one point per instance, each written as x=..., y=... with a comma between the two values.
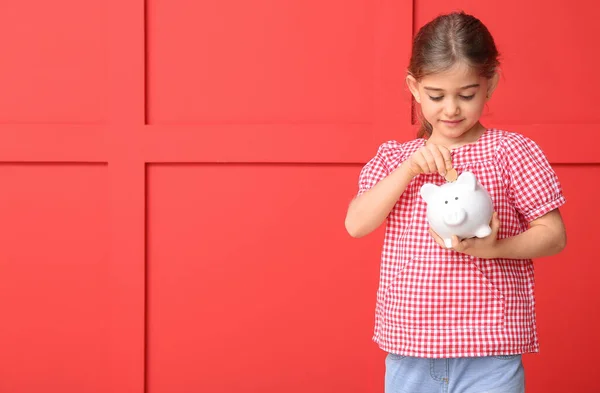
x=428, y=190
x=467, y=179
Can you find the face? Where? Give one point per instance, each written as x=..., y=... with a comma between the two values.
x=453, y=101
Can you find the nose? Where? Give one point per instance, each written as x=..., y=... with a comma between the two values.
x=451, y=109
x=455, y=217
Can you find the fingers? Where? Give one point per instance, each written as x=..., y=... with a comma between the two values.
x=455, y=243
x=437, y=238
x=447, y=155
x=420, y=161
x=461, y=245
x=429, y=160
x=439, y=160
x=433, y=158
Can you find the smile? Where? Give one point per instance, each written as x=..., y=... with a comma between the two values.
x=452, y=123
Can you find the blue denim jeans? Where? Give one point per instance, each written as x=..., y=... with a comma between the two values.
x=490, y=374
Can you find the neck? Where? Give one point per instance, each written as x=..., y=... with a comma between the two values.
x=466, y=138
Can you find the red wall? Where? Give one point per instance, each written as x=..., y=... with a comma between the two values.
x=176, y=176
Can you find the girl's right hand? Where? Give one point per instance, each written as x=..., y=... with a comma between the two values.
x=430, y=159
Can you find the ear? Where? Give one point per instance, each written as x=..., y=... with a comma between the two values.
x=467, y=179
x=413, y=85
x=428, y=190
x=492, y=84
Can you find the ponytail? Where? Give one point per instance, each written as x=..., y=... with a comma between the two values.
x=425, y=129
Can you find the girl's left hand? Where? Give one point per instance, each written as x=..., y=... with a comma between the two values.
x=480, y=248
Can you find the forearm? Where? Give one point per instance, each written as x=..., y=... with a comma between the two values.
x=368, y=211
x=536, y=242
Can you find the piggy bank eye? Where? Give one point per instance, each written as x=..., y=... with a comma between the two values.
x=446, y=202
x=456, y=198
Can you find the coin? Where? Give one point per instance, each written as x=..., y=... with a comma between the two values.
x=451, y=175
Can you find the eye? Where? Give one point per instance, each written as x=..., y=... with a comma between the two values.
x=467, y=98
x=436, y=98
x=446, y=202
x=456, y=198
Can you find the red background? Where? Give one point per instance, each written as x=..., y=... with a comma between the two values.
x=176, y=175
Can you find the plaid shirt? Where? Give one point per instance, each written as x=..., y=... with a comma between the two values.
x=437, y=303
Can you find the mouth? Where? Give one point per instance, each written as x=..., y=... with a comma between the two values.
x=452, y=123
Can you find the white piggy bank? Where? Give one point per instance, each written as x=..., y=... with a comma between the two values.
x=462, y=208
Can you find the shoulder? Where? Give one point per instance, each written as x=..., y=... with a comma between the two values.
x=514, y=144
x=395, y=148
x=393, y=152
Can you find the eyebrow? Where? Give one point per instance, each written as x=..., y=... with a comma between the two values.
x=462, y=88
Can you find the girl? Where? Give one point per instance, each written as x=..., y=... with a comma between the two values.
x=458, y=319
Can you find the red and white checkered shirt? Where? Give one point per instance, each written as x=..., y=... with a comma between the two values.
x=436, y=303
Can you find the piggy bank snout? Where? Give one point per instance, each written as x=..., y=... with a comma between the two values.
x=455, y=217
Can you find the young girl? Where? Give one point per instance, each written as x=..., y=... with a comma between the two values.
x=457, y=319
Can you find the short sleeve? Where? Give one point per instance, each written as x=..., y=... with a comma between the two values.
x=377, y=168
x=533, y=185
